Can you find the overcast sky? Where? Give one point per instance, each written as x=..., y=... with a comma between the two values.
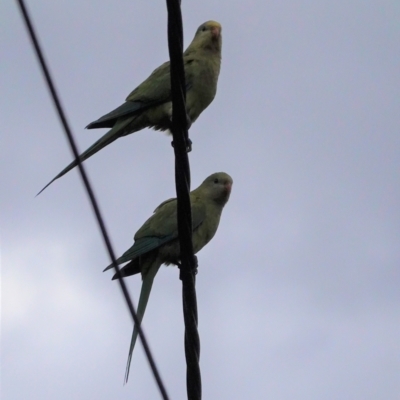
x=298, y=293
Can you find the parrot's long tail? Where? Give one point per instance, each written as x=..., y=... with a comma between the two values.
x=143, y=299
x=114, y=133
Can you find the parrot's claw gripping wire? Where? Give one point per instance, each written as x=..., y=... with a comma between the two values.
x=188, y=145
x=194, y=271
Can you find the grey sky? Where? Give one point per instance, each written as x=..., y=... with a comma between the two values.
x=298, y=292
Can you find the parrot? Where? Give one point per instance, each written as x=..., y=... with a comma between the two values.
x=150, y=106
x=157, y=243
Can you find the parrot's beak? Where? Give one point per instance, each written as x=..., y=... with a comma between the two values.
x=215, y=32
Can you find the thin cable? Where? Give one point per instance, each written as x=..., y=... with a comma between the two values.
x=188, y=266
x=90, y=193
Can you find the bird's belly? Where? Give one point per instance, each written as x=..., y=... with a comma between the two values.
x=159, y=117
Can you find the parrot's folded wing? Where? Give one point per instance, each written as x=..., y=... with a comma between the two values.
x=143, y=246
x=127, y=109
x=155, y=90
x=160, y=228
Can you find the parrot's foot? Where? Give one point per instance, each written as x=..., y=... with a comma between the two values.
x=188, y=122
x=188, y=145
x=188, y=142
x=193, y=271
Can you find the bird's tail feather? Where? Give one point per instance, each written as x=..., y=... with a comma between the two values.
x=143, y=299
x=113, y=134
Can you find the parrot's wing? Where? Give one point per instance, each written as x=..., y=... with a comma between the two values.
x=153, y=91
x=142, y=246
x=128, y=109
x=157, y=87
x=164, y=220
x=160, y=228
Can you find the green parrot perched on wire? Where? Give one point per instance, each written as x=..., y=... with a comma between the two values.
x=156, y=242
x=149, y=105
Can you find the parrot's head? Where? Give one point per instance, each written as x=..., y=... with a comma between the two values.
x=217, y=187
x=208, y=36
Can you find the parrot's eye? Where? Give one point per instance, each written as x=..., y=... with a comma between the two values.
x=203, y=28
x=216, y=180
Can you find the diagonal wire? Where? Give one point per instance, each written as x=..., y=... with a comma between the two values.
x=90, y=193
x=181, y=142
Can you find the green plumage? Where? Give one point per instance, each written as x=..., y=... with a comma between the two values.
x=149, y=105
x=156, y=242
